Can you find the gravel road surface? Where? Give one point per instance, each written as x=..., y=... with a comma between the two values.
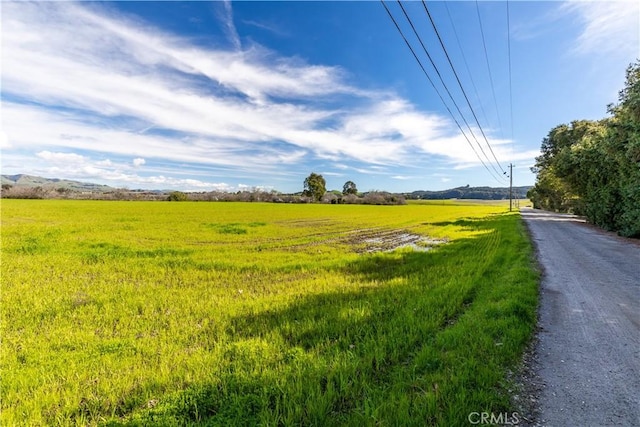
x=587, y=356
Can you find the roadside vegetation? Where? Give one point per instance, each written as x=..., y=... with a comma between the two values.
x=592, y=168
x=121, y=313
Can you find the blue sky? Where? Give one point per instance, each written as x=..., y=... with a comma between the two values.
x=229, y=96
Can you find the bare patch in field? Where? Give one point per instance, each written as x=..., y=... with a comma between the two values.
x=308, y=222
x=375, y=240
x=365, y=240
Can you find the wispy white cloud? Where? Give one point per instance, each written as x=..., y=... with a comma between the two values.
x=266, y=26
x=67, y=158
x=4, y=140
x=84, y=77
x=60, y=130
x=230, y=27
x=138, y=161
x=72, y=165
x=608, y=27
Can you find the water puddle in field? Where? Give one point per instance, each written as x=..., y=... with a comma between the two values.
x=368, y=241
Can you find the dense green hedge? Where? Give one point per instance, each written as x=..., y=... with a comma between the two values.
x=592, y=168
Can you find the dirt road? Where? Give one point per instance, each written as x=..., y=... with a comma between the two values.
x=587, y=359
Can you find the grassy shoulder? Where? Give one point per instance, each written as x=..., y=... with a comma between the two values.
x=239, y=314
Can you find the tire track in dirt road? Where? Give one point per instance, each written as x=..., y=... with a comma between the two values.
x=587, y=356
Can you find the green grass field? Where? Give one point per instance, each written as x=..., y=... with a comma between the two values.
x=159, y=313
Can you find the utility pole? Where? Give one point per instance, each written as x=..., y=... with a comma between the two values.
x=510, y=187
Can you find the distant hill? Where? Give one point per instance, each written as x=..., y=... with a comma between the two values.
x=482, y=193
x=30, y=181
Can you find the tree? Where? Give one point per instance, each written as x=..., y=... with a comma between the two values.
x=593, y=167
x=315, y=186
x=177, y=196
x=623, y=147
x=349, y=188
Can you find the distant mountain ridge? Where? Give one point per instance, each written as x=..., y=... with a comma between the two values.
x=31, y=181
x=481, y=193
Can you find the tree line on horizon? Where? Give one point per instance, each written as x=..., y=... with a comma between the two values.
x=314, y=191
x=592, y=167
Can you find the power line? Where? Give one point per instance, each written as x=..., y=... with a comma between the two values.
x=484, y=45
x=435, y=67
x=446, y=88
x=435, y=88
x=510, y=79
x=460, y=84
x=466, y=64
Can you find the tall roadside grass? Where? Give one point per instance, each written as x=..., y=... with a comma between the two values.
x=123, y=313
